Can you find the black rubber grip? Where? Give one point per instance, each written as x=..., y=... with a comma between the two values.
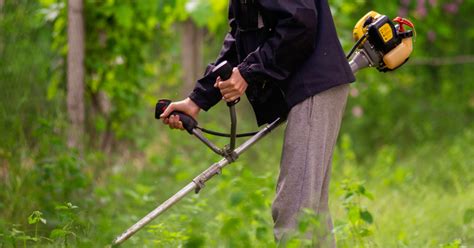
x=224, y=71
x=189, y=123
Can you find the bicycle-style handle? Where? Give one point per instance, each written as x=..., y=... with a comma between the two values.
x=189, y=123
x=224, y=71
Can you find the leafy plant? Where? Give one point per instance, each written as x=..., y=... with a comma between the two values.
x=310, y=229
x=35, y=219
x=68, y=218
x=359, y=224
x=454, y=244
x=18, y=235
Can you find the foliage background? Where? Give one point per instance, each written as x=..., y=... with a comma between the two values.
x=405, y=151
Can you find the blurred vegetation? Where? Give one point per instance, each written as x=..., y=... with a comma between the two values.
x=402, y=174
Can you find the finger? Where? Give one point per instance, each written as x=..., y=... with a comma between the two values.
x=180, y=125
x=176, y=121
x=228, y=99
x=226, y=96
x=173, y=121
x=227, y=91
x=242, y=89
x=166, y=121
x=173, y=125
x=218, y=80
x=233, y=98
x=167, y=111
x=231, y=95
x=224, y=84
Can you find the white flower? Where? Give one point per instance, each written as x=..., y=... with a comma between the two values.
x=191, y=5
x=119, y=60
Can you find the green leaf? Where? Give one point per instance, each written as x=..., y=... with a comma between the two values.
x=58, y=233
x=454, y=244
x=364, y=232
x=195, y=241
x=36, y=217
x=24, y=237
x=366, y=216
x=469, y=216
x=353, y=214
x=66, y=206
x=361, y=189
x=260, y=233
x=124, y=16
x=61, y=207
x=71, y=206
x=303, y=225
x=348, y=196
x=15, y=232
x=230, y=226
x=236, y=198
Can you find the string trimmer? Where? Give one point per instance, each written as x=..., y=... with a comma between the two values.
x=380, y=42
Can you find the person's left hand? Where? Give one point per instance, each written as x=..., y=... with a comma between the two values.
x=232, y=88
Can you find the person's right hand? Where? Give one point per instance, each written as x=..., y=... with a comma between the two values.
x=186, y=106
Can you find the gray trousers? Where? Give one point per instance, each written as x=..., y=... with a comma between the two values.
x=310, y=136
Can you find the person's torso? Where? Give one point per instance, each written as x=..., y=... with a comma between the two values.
x=326, y=67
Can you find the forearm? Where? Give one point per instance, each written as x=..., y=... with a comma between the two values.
x=205, y=95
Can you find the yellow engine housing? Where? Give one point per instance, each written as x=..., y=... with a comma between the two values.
x=359, y=29
x=391, y=59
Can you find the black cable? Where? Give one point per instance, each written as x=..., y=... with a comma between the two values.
x=240, y=135
x=357, y=44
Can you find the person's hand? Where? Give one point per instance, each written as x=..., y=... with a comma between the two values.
x=232, y=88
x=186, y=106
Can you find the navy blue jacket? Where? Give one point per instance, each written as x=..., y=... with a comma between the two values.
x=295, y=55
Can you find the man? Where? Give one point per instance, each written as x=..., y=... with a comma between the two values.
x=289, y=62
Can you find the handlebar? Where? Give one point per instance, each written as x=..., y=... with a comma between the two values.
x=189, y=123
x=224, y=71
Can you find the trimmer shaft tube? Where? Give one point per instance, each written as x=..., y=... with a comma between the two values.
x=153, y=214
x=196, y=184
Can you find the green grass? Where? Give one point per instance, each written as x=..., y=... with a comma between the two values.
x=420, y=199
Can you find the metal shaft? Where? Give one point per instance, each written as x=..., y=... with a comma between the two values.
x=196, y=184
x=153, y=214
x=208, y=143
x=233, y=127
x=358, y=62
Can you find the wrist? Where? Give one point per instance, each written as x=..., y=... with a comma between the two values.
x=192, y=105
x=246, y=72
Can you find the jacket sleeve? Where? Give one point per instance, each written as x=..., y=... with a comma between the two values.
x=205, y=95
x=291, y=41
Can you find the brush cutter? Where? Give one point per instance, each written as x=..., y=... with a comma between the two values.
x=380, y=42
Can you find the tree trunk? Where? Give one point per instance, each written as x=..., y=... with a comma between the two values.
x=75, y=74
x=192, y=38
x=2, y=2
x=4, y=170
